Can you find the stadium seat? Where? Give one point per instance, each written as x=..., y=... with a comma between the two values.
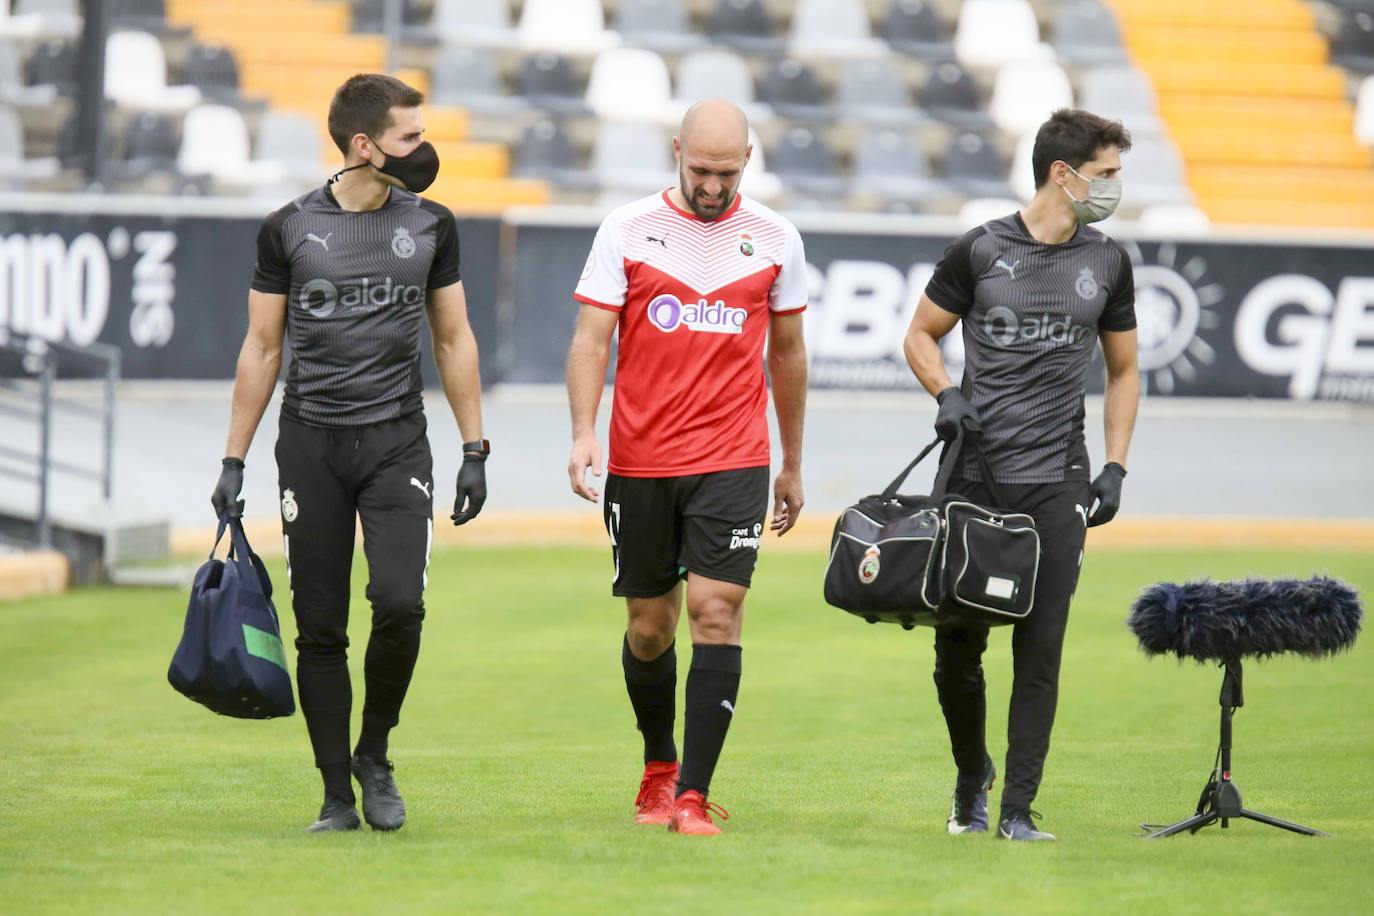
x=630, y=156
x=468, y=76
x=1123, y=93
x=567, y=26
x=369, y=16
x=17, y=26
x=214, y=70
x=546, y=153
x=292, y=142
x=660, y=25
x=757, y=181
x=53, y=63
x=13, y=90
x=150, y=145
x=55, y=17
x=14, y=163
x=715, y=72
x=833, y=28
x=1086, y=32
x=951, y=95
x=472, y=22
x=1364, y=112
x=978, y=210
x=1174, y=221
x=1153, y=172
x=548, y=82
x=891, y=165
x=804, y=162
x=794, y=91
x=1353, y=44
x=913, y=27
x=745, y=24
x=994, y=32
x=1022, y=174
x=630, y=84
x=136, y=74
x=214, y=142
x=975, y=168
x=875, y=91
x=148, y=15
x=1025, y=93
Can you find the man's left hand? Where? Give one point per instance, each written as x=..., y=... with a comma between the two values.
x=1107, y=494
x=472, y=489
x=787, y=501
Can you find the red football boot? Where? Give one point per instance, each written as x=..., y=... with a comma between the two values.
x=692, y=814
x=656, y=790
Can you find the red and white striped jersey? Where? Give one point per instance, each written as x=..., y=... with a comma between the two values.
x=694, y=298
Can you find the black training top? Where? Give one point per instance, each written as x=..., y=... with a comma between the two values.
x=1031, y=315
x=356, y=285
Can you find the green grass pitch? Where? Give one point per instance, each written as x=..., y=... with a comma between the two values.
x=519, y=762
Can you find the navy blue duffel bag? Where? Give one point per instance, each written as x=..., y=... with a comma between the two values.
x=231, y=659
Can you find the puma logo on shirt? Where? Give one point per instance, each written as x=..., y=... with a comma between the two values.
x=324, y=242
x=1009, y=268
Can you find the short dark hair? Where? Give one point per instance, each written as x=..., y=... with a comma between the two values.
x=1074, y=136
x=362, y=105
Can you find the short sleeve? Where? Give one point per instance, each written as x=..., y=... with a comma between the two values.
x=1119, y=312
x=444, y=269
x=272, y=272
x=951, y=286
x=603, y=281
x=788, y=292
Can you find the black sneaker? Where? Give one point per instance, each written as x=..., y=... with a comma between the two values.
x=1016, y=825
x=969, y=811
x=383, y=808
x=337, y=814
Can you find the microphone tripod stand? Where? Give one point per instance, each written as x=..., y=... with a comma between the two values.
x=1221, y=797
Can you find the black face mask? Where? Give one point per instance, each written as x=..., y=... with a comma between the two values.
x=416, y=171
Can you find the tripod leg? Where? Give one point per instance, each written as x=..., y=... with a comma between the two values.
x=1194, y=823
x=1276, y=822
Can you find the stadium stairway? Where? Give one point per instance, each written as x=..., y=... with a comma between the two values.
x=1259, y=113
x=295, y=53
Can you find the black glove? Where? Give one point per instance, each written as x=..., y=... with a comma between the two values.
x=472, y=482
x=226, y=495
x=955, y=411
x=1107, y=493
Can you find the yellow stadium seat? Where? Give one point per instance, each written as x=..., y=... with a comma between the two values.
x=487, y=195
x=1269, y=46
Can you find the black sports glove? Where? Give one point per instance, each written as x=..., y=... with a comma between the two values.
x=1107, y=493
x=955, y=411
x=472, y=485
x=226, y=495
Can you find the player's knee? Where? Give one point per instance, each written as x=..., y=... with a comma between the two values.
x=716, y=620
x=649, y=636
x=395, y=606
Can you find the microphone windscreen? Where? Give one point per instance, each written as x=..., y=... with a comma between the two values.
x=1261, y=617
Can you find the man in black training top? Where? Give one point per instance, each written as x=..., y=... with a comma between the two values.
x=1036, y=291
x=349, y=271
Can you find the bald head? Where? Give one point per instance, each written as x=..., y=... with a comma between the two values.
x=712, y=148
x=715, y=127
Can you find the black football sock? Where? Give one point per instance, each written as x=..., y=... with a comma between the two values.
x=338, y=781
x=712, y=687
x=652, y=686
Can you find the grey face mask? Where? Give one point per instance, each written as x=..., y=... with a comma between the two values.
x=1103, y=196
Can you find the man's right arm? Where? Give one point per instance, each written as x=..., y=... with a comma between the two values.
x=258, y=366
x=587, y=357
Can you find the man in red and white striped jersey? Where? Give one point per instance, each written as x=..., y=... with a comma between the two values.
x=696, y=278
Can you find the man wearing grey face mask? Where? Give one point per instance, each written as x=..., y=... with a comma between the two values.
x=1036, y=292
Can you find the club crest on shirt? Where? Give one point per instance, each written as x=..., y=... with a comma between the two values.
x=402, y=243
x=746, y=245
x=289, y=509
x=1086, y=284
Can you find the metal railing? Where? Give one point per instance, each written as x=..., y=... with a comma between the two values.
x=29, y=369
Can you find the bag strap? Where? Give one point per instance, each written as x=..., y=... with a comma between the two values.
x=891, y=489
x=219, y=536
x=948, y=462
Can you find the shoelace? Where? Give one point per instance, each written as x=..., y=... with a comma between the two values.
x=665, y=783
x=712, y=807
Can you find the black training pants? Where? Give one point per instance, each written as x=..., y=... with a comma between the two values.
x=328, y=478
x=1060, y=513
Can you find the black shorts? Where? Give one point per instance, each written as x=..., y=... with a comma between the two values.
x=662, y=528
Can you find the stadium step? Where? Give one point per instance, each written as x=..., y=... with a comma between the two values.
x=1270, y=147
x=487, y=195
x=1320, y=185
x=1267, y=46
x=285, y=16
x=1245, y=78
x=1217, y=15
x=1296, y=116
x=1309, y=213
